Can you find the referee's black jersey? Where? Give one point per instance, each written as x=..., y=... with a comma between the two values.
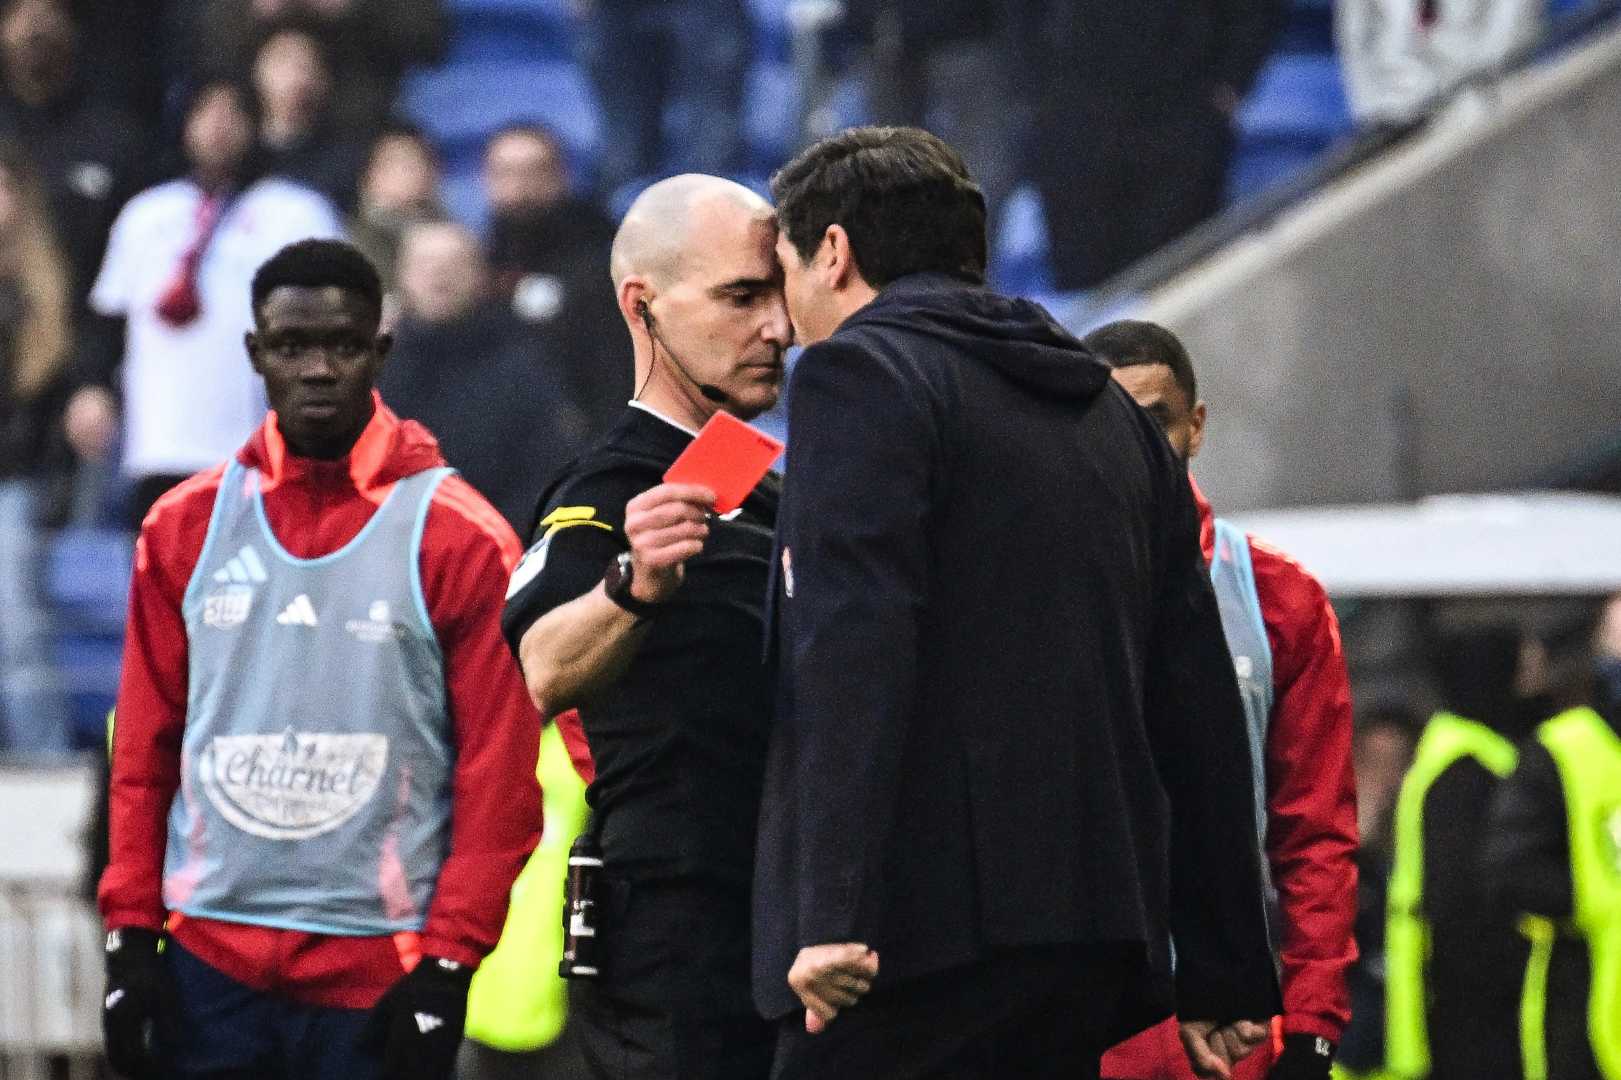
x=679, y=739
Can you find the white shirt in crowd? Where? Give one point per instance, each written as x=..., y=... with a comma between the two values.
x=1395, y=65
x=190, y=397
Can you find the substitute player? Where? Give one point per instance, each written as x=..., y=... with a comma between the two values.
x=323, y=766
x=1286, y=649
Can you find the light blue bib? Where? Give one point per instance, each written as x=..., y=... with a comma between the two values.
x=317, y=755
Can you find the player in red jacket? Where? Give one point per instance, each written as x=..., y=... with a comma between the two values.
x=323, y=761
x=1304, y=759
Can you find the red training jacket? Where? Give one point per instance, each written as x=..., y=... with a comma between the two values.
x=315, y=507
x=1311, y=833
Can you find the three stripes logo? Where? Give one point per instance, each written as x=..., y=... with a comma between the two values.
x=299, y=613
x=228, y=604
x=244, y=567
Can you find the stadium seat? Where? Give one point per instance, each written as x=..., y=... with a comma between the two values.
x=87, y=583
x=770, y=114
x=1295, y=112
x=460, y=104
x=87, y=578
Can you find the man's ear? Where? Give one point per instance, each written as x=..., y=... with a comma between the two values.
x=250, y=342
x=841, y=263
x=381, y=346
x=633, y=294
x=1196, y=424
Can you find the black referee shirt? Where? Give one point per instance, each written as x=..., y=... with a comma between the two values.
x=679, y=739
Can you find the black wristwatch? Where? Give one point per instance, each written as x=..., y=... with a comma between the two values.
x=616, y=583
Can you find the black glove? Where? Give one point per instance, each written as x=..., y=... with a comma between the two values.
x=417, y=1026
x=139, y=1005
x=1304, y=1057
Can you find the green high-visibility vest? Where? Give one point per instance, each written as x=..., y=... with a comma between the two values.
x=1588, y=755
x=1447, y=739
x=518, y=1002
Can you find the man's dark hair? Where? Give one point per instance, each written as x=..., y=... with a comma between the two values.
x=904, y=197
x=1132, y=343
x=319, y=264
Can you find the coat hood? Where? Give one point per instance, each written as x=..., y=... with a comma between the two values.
x=1016, y=337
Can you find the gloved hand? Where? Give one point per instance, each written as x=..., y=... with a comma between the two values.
x=1304, y=1057
x=417, y=1026
x=139, y=1004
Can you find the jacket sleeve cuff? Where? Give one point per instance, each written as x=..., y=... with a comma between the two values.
x=137, y=920
x=1307, y=1024
x=446, y=949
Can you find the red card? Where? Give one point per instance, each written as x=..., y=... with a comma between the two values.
x=728, y=457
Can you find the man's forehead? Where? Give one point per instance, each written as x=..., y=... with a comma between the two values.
x=303, y=304
x=731, y=244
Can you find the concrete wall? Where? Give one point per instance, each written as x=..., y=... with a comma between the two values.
x=1448, y=318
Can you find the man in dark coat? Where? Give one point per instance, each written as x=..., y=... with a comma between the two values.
x=1009, y=755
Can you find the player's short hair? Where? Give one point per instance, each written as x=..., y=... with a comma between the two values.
x=319, y=264
x=904, y=196
x=1134, y=343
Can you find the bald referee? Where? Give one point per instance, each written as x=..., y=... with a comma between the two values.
x=646, y=615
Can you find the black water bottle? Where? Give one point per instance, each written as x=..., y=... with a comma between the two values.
x=581, y=910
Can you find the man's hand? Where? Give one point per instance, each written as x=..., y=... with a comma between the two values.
x=1213, y=1050
x=1304, y=1057
x=138, y=1009
x=828, y=978
x=416, y=1028
x=666, y=526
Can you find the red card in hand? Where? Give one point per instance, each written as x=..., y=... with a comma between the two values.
x=728, y=457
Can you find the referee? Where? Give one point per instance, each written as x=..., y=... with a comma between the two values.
x=637, y=607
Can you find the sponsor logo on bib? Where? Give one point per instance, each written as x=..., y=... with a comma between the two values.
x=294, y=785
x=377, y=627
x=227, y=607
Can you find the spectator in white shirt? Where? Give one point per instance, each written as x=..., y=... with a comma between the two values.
x=176, y=273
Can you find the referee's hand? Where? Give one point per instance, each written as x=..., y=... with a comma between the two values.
x=666, y=526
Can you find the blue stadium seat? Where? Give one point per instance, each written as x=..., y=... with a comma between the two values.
x=1019, y=250
x=1298, y=96
x=89, y=665
x=770, y=114
x=1295, y=112
x=87, y=583
x=87, y=578
x=772, y=34
x=460, y=104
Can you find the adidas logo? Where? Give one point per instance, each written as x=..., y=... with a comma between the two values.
x=299, y=613
x=243, y=568
x=427, y=1023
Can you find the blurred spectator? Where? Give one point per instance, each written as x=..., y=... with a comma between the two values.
x=374, y=42
x=550, y=250
x=1397, y=55
x=1133, y=121
x=399, y=188
x=1454, y=960
x=87, y=151
x=464, y=366
x=176, y=276
x=35, y=340
x=1608, y=653
x=1382, y=752
x=133, y=47
x=945, y=65
x=1553, y=852
x=669, y=79
x=293, y=79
